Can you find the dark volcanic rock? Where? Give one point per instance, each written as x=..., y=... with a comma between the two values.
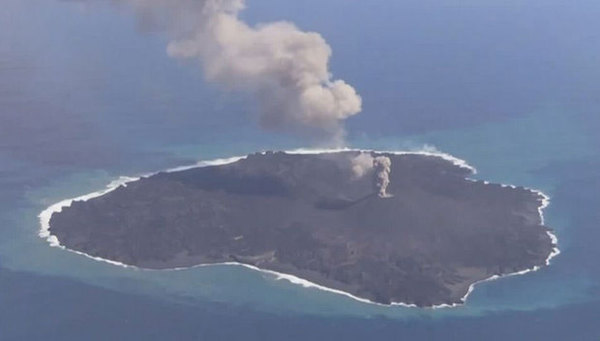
x=308, y=215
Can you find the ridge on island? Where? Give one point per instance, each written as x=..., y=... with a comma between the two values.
x=426, y=242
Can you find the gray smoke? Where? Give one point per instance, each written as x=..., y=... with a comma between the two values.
x=284, y=68
x=362, y=164
x=382, y=165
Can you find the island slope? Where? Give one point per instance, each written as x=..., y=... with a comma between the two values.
x=311, y=216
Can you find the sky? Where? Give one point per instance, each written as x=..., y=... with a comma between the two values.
x=72, y=69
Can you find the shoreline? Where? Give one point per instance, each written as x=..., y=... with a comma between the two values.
x=46, y=214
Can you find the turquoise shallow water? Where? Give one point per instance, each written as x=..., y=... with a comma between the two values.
x=549, y=287
x=78, y=112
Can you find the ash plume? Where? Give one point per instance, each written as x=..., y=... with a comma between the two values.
x=283, y=67
x=362, y=164
x=381, y=165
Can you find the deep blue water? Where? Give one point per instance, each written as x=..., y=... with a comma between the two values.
x=87, y=95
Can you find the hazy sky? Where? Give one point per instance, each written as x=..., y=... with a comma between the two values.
x=89, y=73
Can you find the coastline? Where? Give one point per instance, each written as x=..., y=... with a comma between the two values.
x=53, y=241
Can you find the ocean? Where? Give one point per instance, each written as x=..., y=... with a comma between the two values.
x=88, y=95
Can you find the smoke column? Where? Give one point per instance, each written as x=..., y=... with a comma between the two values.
x=364, y=163
x=383, y=167
x=284, y=68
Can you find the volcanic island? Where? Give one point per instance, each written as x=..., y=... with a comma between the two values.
x=409, y=228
